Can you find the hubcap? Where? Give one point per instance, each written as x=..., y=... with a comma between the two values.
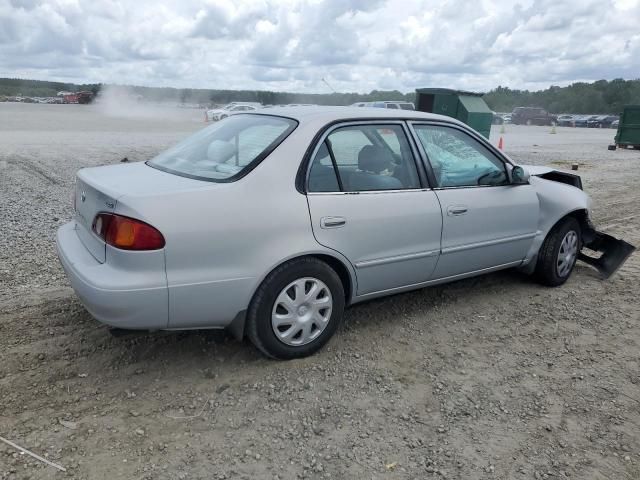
x=567, y=253
x=301, y=311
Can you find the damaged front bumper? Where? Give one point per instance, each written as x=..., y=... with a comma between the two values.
x=614, y=251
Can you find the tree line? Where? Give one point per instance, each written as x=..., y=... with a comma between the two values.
x=602, y=96
x=11, y=87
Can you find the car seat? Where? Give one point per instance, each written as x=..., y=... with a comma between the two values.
x=372, y=160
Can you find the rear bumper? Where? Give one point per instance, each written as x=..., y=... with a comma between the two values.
x=112, y=294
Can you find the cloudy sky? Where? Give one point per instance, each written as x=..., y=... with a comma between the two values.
x=356, y=45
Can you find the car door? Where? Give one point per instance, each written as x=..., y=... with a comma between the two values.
x=368, y=200
x=488, y=223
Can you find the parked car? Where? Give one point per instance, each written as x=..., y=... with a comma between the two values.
x=601, y=121
x=506, y=118
x=595, y=120
x=582, y=121
x=615, y=123
x=216, y=114
x=393, y=104
x=245, y=224
x=497, y=119
x=565, y=120
x=531, y=116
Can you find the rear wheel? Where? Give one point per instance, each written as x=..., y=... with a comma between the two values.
x=559, y=253
x=296, y=310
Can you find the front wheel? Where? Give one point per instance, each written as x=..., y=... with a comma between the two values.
x=296, y=310
x=559, y=253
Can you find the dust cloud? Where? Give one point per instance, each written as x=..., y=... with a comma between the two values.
x=124, y=102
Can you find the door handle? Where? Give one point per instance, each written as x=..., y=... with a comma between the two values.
x=332, y=222
x=456, y=210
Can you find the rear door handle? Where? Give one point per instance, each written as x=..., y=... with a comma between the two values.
x=332, y=222
x=456, y=210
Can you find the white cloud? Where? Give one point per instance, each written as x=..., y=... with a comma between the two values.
x=357, y=45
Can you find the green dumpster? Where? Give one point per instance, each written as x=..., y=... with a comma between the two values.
x=628, y=134
x=468, y=107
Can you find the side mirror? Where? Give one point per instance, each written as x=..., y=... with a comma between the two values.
x=519, y=176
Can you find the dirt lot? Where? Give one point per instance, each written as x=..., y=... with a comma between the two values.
x=494, y=377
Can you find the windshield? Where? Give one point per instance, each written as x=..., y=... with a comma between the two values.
x=226, y=150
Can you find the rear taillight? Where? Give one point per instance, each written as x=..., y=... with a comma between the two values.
x=127, y=233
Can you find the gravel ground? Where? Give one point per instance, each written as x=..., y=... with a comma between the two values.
x=493, y=377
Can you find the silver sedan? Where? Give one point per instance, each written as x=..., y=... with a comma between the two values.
x=270, y=223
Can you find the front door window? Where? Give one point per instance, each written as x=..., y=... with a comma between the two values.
x=459, y=160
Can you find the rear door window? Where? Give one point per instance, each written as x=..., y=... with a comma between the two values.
x=364, y=158
x=323, y=176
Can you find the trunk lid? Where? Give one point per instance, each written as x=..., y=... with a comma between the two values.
x=90, y=201
x=99, y=188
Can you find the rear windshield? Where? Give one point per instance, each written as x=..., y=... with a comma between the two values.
x=227, y=150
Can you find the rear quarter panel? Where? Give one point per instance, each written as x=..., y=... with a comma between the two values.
x=223, y=239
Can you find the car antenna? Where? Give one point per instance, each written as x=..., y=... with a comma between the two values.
x=328, y=85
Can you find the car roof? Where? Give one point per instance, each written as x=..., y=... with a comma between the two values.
x=330, y=114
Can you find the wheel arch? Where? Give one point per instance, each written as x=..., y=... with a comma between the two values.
x=581, y=215
x=586, y=230
x=343, y=269
x=586, y=227
x=348, y=283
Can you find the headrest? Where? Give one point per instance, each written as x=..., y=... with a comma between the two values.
x=373, y=158
x=220, y=151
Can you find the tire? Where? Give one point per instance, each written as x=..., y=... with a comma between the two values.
x=565, y=236
x=283, y=325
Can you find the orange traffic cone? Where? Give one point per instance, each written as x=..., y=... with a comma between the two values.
x=500, y=143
